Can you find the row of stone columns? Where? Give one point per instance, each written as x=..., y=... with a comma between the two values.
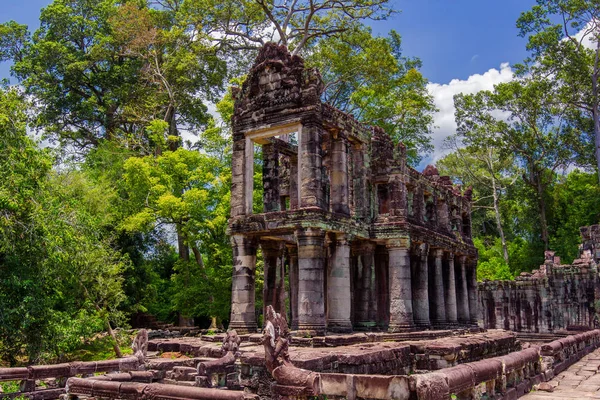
x=424, y=290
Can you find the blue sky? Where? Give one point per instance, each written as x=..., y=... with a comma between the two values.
x=465, y=45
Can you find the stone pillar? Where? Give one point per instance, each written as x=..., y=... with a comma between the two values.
x=421, y=285
x=381, y=283
x=368, y=303
x=472, y=290
x=273, y=286
x=438, y=309
x=309, y=154
x=294, y=193
x=360, y=179
x=339, y=175
x=271, y=193
x=401, y=313
x=462, y=294
x=450, y=292
x=339, y=299
x=311, y=263
x=293, y=277
x=243, y=314
x=398, y=198
x=443, y=215
x=239, y=173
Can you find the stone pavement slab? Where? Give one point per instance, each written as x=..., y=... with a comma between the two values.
x=580, y=381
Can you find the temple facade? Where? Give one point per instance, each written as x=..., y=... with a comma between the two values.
x=352, y=238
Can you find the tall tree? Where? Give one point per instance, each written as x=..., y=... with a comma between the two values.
x=249, y=24
x=564, y=38
x=480, y=165
x=101, y=70
x=526, y=119
x=60, y=277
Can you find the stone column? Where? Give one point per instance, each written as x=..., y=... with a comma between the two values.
x=243, y=314
x=443, y=214
x=401, y=313
x=462, y=294
x=310, y=168
x=270, y=168
x=438, y=309
x=381, y=283
x=294, y=193
x=360, y=180
x=293, y=276
x=339, y=175
x=419, y=205
x=238, y=175
x=339, y=300
x=273, y=277
x=472, y=290
x=450, y=292
x=398, y=197
x=369, y=263
x=311, y=263
x=421, y=285
x=367, y=307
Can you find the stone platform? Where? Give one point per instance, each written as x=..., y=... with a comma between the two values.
x=365, y=353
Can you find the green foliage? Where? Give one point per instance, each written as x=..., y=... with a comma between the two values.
x=576, y=203
x=564, y=41
x=59, y=277
x=491, y=265
x=369, y=77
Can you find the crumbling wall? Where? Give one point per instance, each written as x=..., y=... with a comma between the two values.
x=553, y=298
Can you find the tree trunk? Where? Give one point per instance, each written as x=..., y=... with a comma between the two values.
x=170, y=118
x=499, y=220
x=184, y=250
x=114, y=338
x=542, y=205
x=596, y=106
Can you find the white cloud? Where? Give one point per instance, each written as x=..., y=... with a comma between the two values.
x=443, y=95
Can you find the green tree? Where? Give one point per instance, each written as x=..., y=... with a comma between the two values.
x=60, y=278
x=369, y=77
x=482, y=167
x=524, y=118
x=564, y=39
x=101, y=70
x=576, y=200
x=244, y=25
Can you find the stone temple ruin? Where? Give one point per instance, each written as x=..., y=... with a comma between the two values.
x=553, y=298
x=366, y=242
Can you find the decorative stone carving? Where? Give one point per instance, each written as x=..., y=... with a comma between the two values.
x=140, y=345
x=276, y=340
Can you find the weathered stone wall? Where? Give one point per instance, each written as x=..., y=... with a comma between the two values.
x=556, y=297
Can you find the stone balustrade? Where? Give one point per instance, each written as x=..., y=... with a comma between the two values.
x=503, y=377
x=60, y=372
x=119, y=390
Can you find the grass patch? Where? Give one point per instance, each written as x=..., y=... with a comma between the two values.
x=100, y=347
